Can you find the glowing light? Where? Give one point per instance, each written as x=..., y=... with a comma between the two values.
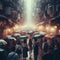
x=29, y=28
x=47, y=28
x=59, y=31
x=41, y=28
x=17, y=28
x=55, y=27
x=8, y=31
x=52, y=29
x=29, y=24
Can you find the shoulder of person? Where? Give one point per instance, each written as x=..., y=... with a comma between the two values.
x=12, y=54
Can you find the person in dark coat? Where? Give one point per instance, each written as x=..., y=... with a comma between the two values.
x=47, y=56
x=25, y=52
x=56, y=53
x=18, y=49
x=45, y=46
x=30, y=47
x=36, y=48
x=13, y=55
x=10, y=45
x=3, y=55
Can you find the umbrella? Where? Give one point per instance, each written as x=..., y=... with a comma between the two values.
x=36, y=36
x=9, y=38
x=2, y=42
x=49, y=36
x=30, y=32
x=23, y=37
x=1, y=50
x=36, y=32
x=16, y=35
x=42, y=34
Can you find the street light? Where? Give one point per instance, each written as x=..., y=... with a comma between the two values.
x=55, y=27
x=52, y=29
x=59, y=31
x=47, y=28
x=41, y=28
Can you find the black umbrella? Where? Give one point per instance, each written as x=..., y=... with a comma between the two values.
x=2, y=42
x=23, y=37
x=9, y=38
x=36, y=36
x=30, y=32
x=16, y=35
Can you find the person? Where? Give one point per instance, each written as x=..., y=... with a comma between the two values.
x=30, y=47
x=56, y=53
x=47, y=51
x=18, y=49
x=3, y=55
x=36, y=48
x=13, y=56
x=47, y=56
x=54, y=44
x=25, y=50
x=45, y=46
x=10, y=44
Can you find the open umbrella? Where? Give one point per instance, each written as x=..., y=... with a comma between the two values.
x=30, y=32
x=23, y=37
x=9, y=38
x=2, y=42
x=49, y=36
x=36, y=36
x=16, y=35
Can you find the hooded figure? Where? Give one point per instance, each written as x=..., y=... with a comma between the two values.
x=36, y=48
x=25, y=51
x=13, y=56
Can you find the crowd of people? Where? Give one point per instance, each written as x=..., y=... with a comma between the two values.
x=42, y=47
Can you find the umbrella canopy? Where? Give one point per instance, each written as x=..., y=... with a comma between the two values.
x=2, y=42
x=23, y=37
x=9, y=38
x=40, y=35
x=49, y=36
x=36, y=36
x=16, y=35
x=1, y=50
x=30, y=32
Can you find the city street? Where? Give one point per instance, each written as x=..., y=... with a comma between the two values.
x=29, y=29
x=32, y=57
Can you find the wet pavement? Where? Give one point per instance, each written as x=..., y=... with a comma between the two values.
x=32, y=57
